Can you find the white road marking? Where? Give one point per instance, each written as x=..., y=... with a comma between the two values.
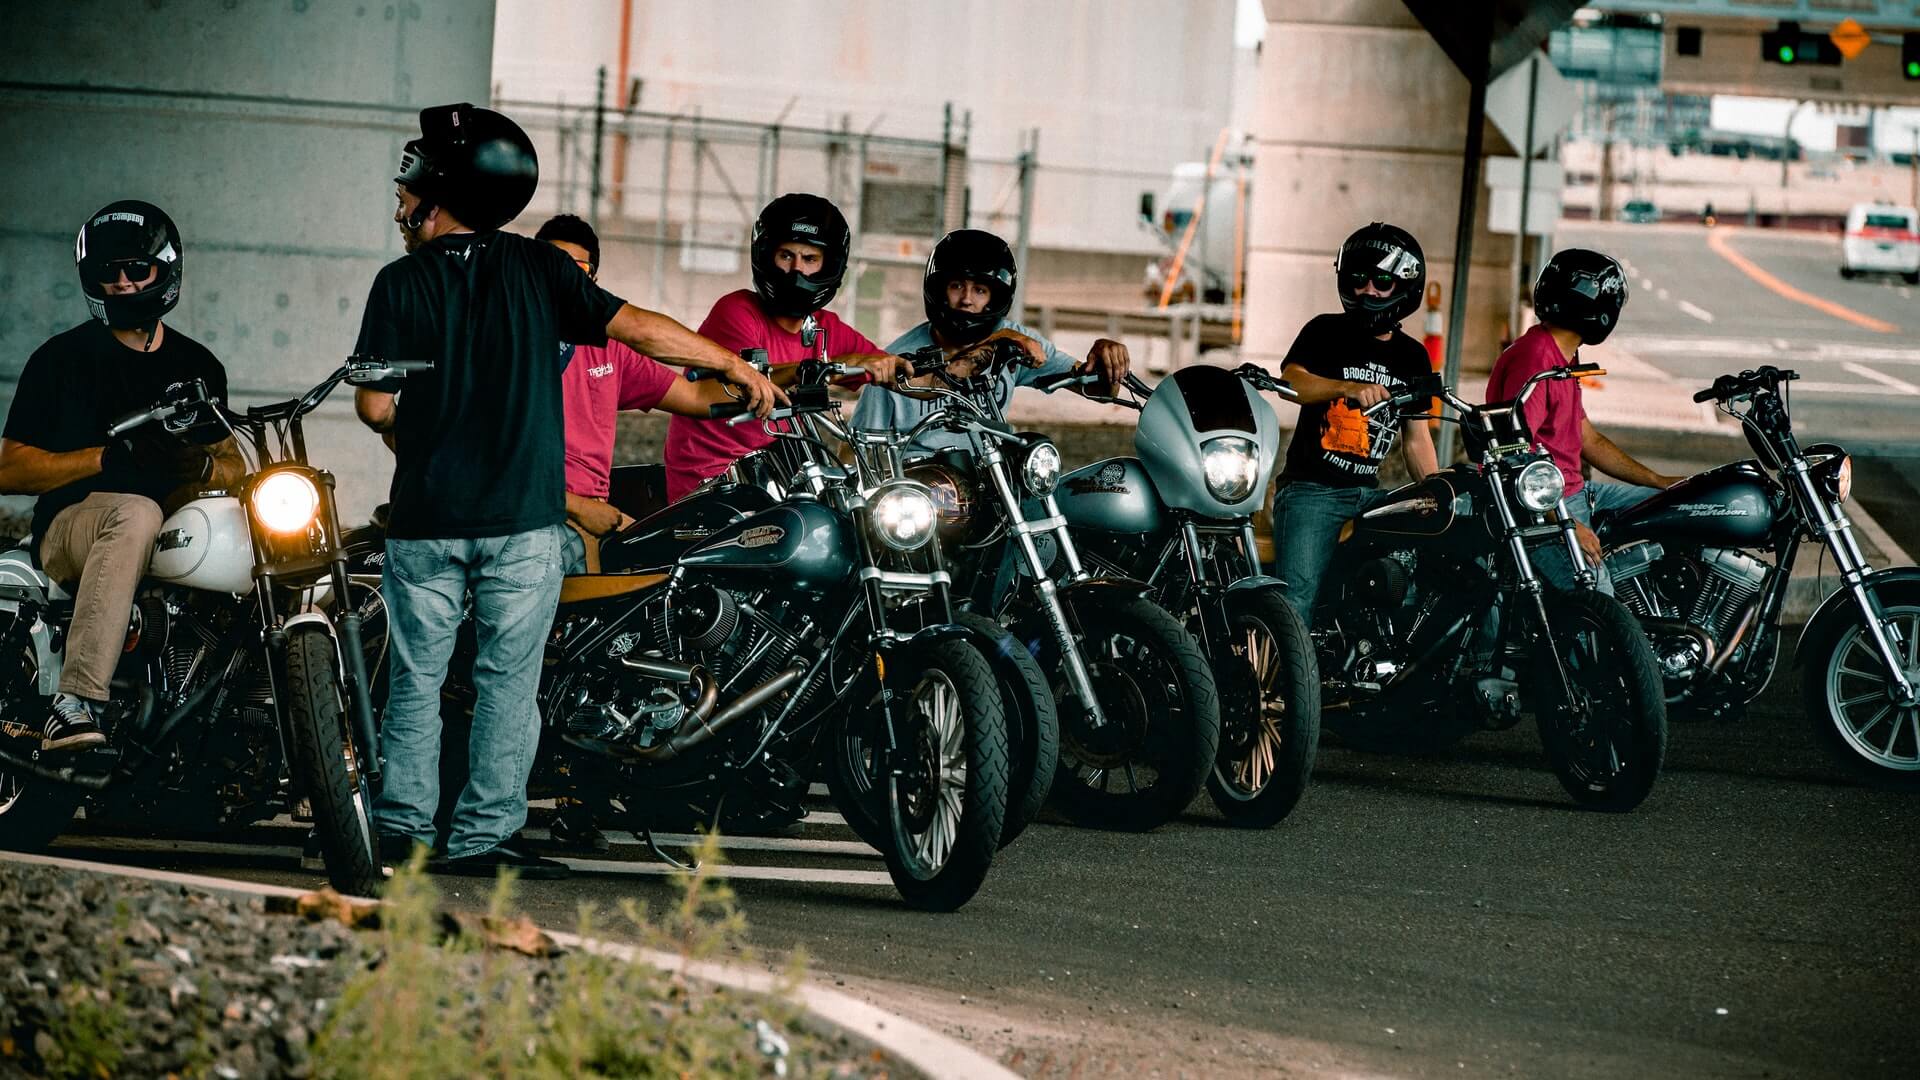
x=774, y=843
x=1665, y=295
x=1696, y=311
x=1646, y=283
x=1882, y=378
x=1782, y=344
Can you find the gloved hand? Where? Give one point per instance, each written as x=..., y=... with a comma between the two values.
x=156, y=456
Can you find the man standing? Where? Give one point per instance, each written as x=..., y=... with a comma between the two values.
x=479, y=494
x=100, y=506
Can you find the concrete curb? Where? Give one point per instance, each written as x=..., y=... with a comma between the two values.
x=934, y=1054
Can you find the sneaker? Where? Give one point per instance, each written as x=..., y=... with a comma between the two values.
x=489, y=863
x=572, y=829
x=72, y=726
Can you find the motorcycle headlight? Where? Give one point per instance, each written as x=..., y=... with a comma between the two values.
x=1232, y=466
x=1540, y=486
x=903, y=515
x=1040, y=472
x=285, y=502
x=1835, y=474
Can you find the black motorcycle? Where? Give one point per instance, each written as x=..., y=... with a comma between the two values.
x=1435, y=622
x=240, y=694
x=1705, y=566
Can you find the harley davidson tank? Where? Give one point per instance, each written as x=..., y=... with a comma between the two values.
x=1731, y=506
x=1114, y=496
x=656, y=541
x=803, y=544
x=206, y=545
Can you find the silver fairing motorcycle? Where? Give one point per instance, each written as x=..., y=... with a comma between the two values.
x=239, y=695
x=1705, y=565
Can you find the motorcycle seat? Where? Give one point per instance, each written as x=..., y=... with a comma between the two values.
x=578, y=587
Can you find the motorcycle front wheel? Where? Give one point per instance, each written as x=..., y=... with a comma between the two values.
x=1033, y=726
x=325, y=764
x=1270, y=728
x=1607, y=741
x=1848, y=694
x=1162, y=708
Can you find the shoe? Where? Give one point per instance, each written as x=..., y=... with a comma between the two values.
x=489, y=863
x=72, y=726
x=572, y=829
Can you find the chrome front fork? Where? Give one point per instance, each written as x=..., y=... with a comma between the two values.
x=1836, y=531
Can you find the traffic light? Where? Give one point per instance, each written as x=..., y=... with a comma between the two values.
x=1788, y=44
x=1910, y=54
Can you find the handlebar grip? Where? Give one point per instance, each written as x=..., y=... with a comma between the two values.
x=1709, y=394
x=724, y=409
x=1047, y=384
x=695, y=374
x=130, y=421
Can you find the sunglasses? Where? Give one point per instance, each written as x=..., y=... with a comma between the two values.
x=137, y=270
x=1379, y=279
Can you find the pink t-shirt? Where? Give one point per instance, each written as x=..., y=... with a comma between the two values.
x=1555, y=411
x=600, y=381
x=701, y=448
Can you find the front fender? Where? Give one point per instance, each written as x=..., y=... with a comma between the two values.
x=1838, y=610
x=1111, y=586
x=318, y=618
x=1255, y=581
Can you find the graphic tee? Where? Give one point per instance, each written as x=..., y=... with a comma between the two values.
x=82, y=380
x=1555, y=410
x=479, y=444
x=698, y=448
x=601, y=382
x=1335, y=444
x=881, y=409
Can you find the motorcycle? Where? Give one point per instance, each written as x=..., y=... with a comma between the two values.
x=1178, y=516
x=1138, y=705
x=1435, y=621
x=239, y=694
x=1705, y=566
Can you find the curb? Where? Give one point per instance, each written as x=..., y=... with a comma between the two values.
x=934, y=1054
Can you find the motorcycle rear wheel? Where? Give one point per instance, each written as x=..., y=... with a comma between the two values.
x=326, y=765
x=33, y=811
x=1611, y=759
x=1162, y=707
x=1266, y=751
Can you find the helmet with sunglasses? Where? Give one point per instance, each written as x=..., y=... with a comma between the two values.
x=476, y=163
x=1390, y=258
x=805, y=219
x=1582, y=291
x=972, y=255
x=136, y=239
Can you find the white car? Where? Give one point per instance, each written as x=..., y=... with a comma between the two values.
x=1881, y=239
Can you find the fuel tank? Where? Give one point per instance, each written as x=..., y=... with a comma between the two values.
x=1441, y=511
x=206, y=545
x=1731, y=506
x=656, y=541
x=1111, y=496
x=795, y=545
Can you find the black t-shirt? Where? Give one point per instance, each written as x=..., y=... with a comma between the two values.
x=77, y=384
x=1334, y=444
x=480, y=441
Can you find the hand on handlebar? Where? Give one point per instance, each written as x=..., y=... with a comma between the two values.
x=1109, y=359
x=884, y=368
x=760, y=395
x=1365, y=395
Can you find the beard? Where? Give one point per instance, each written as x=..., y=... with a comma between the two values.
x=410, y=238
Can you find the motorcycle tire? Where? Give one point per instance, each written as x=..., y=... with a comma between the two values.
x=1270, y=731
x=1612, y=762
x=1162, y=706
x=33, y=811
x=1033, y=726
x=326, y=766
x=1846, y=701
x=941, y=835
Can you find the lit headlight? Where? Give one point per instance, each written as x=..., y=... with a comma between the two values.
x=903, y=515
x=1540, y=486
x=1232, y=467
x=1041, y=469
x=1835, y=474
x=285, y=502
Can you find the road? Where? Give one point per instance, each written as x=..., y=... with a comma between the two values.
x=1756, y=917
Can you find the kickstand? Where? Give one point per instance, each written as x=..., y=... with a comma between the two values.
x=646, y=837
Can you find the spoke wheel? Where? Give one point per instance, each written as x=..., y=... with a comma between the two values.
x=1850, y=696
x=1270, y=734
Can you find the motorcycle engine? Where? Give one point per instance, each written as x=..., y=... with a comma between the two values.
x=1709, y=591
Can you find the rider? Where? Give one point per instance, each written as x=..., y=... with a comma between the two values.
x=1340, y=364
x=478, y=495
x=968, y=292
x=100, y=506
x=1578, y=300
x=799, y=254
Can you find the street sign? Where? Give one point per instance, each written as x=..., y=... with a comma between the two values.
x=1851, y=38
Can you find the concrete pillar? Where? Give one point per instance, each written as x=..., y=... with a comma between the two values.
x=1360, y=117
x=270, y=132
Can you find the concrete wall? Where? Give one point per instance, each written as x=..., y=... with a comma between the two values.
x=1361, y=117
x=269, y=131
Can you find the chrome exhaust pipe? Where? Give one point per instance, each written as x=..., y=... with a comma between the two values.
x=696, y=729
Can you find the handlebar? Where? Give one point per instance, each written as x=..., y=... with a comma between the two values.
x=1728, y=387
x=1262, y=379
x=755, y=357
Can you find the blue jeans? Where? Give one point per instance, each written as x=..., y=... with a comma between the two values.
x=1306, y=526
x=515, y=583
x=573, y=552
x=1550, y=559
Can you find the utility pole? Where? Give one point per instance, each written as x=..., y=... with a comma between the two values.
x=1603, y=200
x=599, y=136
x=1786, y=156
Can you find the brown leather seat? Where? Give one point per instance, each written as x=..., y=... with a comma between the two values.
x=578, y=587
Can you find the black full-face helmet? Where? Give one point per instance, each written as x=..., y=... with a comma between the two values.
x=1582, y=291
x=806, y=219
x=136, y=238
x=1390, y=257
x=974, y=255
x=476, y=163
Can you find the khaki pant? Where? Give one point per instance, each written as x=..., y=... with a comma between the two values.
x=105, y=542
